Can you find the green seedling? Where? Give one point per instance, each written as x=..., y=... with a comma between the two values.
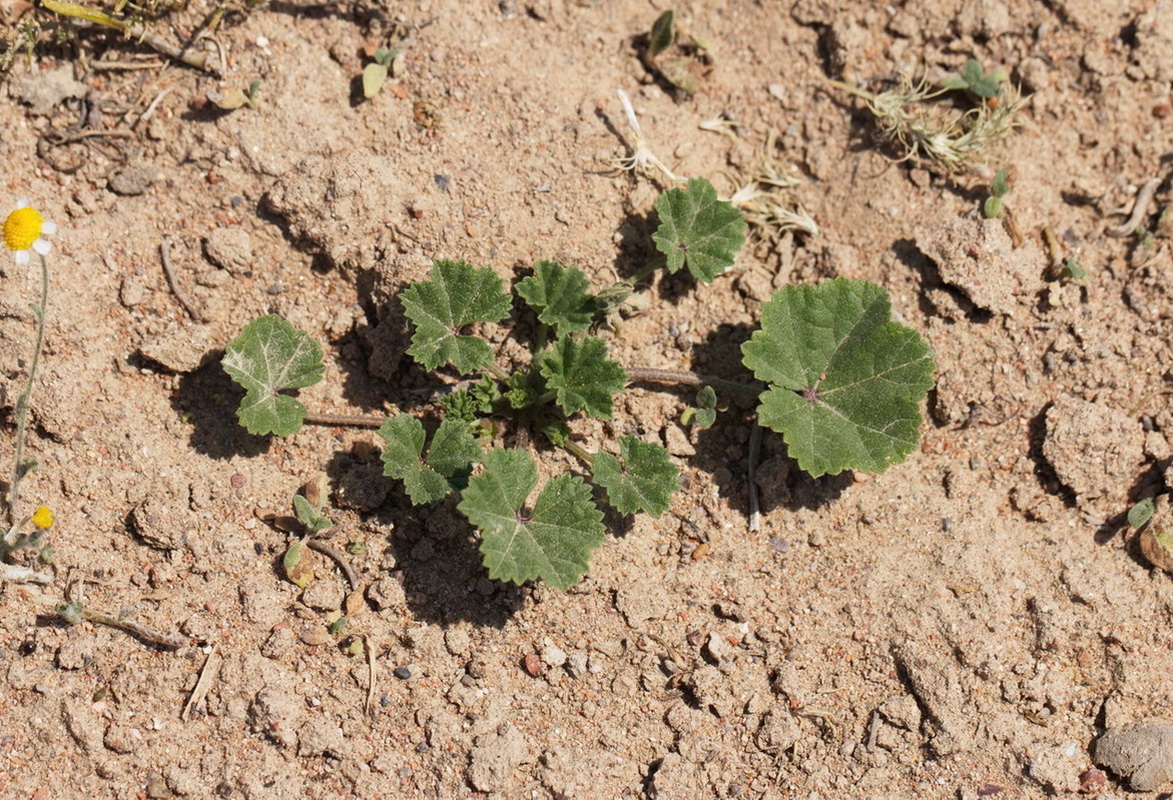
x=310, y=516
x=270, y=357
x=985, y=85
x=1003, y=183
x=676, y=55
x=232, y=99
x=1072, y=270
x=844, y=384
x=374, y=75
x=704, y=413
x=955, y=140
x=1141, y=513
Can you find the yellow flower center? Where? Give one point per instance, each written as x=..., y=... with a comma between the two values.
x=22, y=228
x=43, y=518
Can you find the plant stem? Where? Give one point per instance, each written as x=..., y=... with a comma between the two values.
x=579, y=452
x=543, y=333
x=22, y=405
x=497, y=372
x=344, y=420
x=648, y=269
x=686, y=378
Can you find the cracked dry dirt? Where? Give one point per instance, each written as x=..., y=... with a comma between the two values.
x=965, y=625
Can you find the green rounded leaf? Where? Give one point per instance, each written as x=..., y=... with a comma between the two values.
x=446, y=467
x=643, y=478
x=705, y=413
x=582, y=376
x=553, y=542
x=374, y=75
x=1141, y=513
x=456, y=294
x=560, y=296
x=270, y=356
x=846, y=382
x=698, y=231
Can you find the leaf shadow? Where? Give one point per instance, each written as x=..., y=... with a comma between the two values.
x=723, y=450
x=911, y=256
x=208, y=399
x=636, y=250
x=432, y=552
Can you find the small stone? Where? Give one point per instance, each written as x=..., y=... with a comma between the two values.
x=576, y=664
x=1141, y=753
x=532, y=664
x=717, y=648
x=403, y=673
x=677, y=442
x=230, y=249
x=132, y=291
x=315, y=636
x=157, y=788
x=553, y=655
x=133, y=179
x=1093, y=781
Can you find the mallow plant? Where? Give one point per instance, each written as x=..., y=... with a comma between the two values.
x=839, y=379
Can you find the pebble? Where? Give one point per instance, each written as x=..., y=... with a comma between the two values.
x=230, y=248
x=677, y=442
x=532, y=664
x=133, y=179
x=403, y=673
x=717, y=648
x=576, y=664
x=553, y=655
x=1141, y=753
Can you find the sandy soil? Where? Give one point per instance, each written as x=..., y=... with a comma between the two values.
x=965, y=625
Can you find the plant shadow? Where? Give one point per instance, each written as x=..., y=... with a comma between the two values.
x=432, y=551
x=208, y=398
x=722, y=451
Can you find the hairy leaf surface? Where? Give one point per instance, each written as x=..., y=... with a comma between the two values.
x=643, y=478
x=456, y=294
x=560, y=296
x=553, y=542
x=446, y=467
x=270, y=356
x=845, y=380
x=582, y=376
x=698, y=231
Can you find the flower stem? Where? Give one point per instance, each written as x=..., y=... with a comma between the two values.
x=686, y=378
x=22, y=406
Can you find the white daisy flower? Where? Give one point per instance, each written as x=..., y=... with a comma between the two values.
x=25, y=229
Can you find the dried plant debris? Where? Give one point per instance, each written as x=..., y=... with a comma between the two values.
x=956, y=139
